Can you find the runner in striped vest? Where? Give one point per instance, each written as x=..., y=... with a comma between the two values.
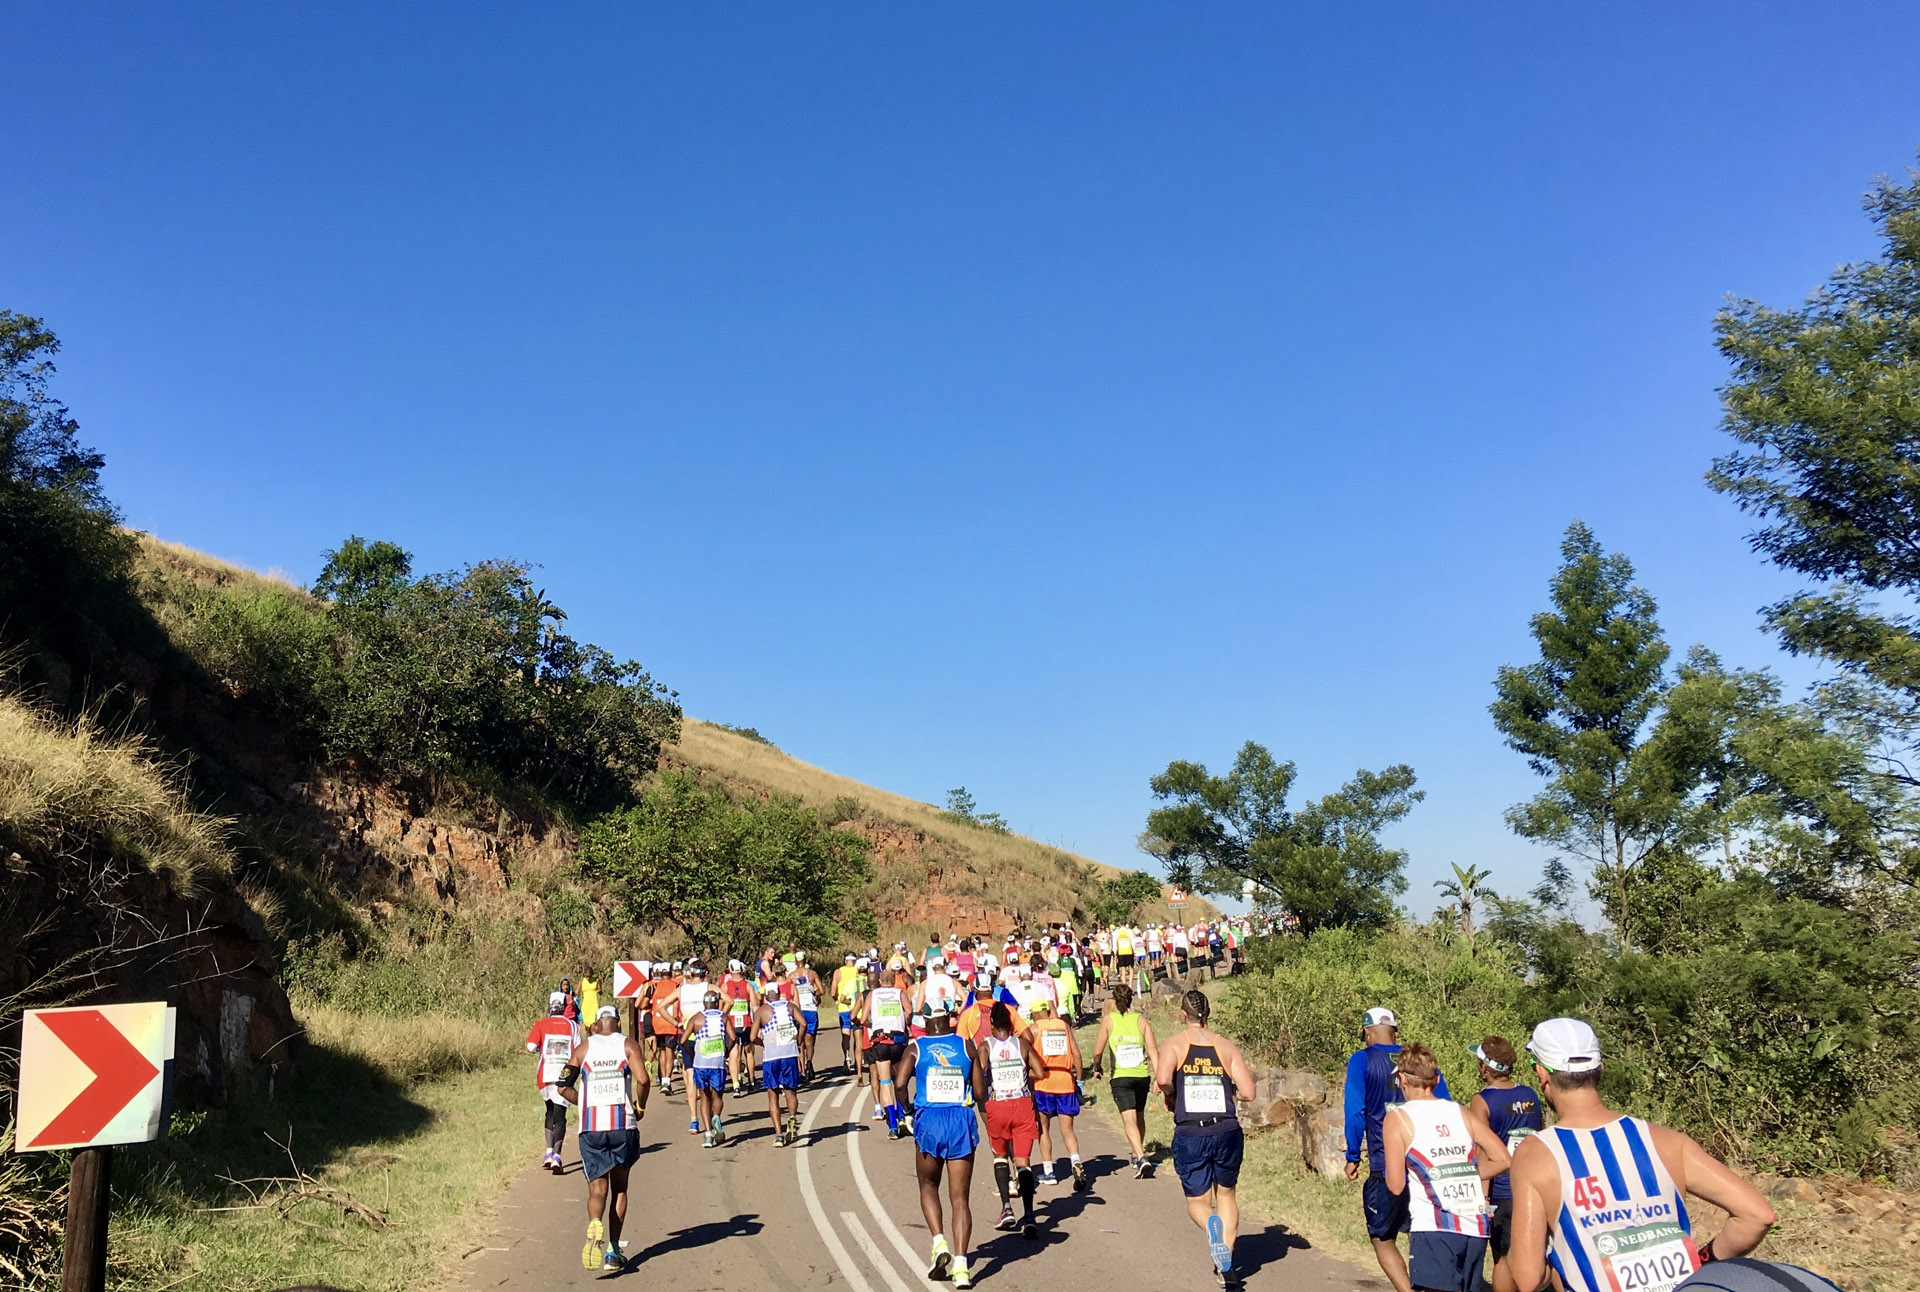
x=1442, y=1163
x=1601, y=1195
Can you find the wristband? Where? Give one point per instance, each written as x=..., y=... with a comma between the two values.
x=1706, y=1254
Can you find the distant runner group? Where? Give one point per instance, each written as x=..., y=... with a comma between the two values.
x=961, y=1044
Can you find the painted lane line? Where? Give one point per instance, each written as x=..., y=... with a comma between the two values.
x=835, y=1248
x=887, y=1227
x=874, y=1254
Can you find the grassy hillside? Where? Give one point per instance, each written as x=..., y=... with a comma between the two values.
x=933, y=872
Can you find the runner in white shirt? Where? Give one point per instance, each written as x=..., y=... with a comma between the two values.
x=1443, y=1164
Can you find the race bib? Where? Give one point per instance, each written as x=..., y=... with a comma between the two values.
x=1053, y=1043
x=1206, y=1095
x=785, y=1033
x=1129, y=1054
x=739, y=1009
x=807, y=999
x=946, y=1086
x=889, y=1015
x=1646, y=1258
x=1456, y=1187
x=1009, y=1078
x=710, y=1047
x=607, y=1090
x=1516, y=1138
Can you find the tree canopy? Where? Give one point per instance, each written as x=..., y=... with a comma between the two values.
x=1324, y=863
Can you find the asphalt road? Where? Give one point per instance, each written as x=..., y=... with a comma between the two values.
x=842, y=1210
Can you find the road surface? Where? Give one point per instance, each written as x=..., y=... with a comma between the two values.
x=842, y=1210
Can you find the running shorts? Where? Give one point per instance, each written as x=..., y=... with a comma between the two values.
x=812, y=1019
x=1067, y=1105
x=1387, y=1213
x=646, y=1024
x=1123, y=961
x=1131, y=1092
x=1500, y=1212
x=1204, y=1161
x=946, y=1131
x=846, y=1020
x=710, y=1078
x=602, y=1151
x=780, y=1074
x=1011, y=1127
x=886, y=1051
x=1445, y=1262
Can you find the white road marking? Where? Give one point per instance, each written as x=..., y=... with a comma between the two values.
x=835, y=1248
x=874, y=1254
x=891, y=1230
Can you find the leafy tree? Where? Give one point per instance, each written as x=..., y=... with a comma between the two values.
x=1465, y=888
x=1325, y=863
x=960, y=803
x=1824, y=402
x=1119, y=899
x=1580, y=714
x=731, y=875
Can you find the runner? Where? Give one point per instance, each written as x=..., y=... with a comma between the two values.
x=615, y=1101
x=883, y=1012
x=1056, y=1094
x=736, y=995
x=1003, y=1087
x=1370, y=1088
x=1195, y=1070
x=1607, y=1190
x=1066, y=986
x=1429, y=1141
x=807, y=991
x=711, y=1041
x=846, y=990
x=945, y=1134
x=1135, y=1055
x=663, y=996
x=779, y=1029
x=1156, y=951
x=554, y=1038
x=689, y=1004
x=1511, y=1112
x=1178, y=934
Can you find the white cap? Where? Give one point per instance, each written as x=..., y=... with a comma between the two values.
x=607, y=1011
x=1565, y=1045
x=734, y=966
x=1379, y=1016
x=771, y=991
x=556, y=1000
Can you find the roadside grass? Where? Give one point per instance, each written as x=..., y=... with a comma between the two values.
x=425, y=1120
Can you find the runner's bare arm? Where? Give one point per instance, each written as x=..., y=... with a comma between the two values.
x=1036, y=1070
x=1536, y=1194
x=1099, y=1045
x=1492, y=1157
x=903, y=1072
x=1749, y=1215
x=1395, y=1135
x=1244, y=1086
x=1153, y=1049
x=642, y=1083
x=979, y=1078
x=1164, y=1066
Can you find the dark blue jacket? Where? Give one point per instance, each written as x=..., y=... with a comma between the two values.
x=1370, y=1091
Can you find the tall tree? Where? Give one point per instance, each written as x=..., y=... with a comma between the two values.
x=1466, y=887
x=1824, y=402
x=1325, y=863
x=1580, y=713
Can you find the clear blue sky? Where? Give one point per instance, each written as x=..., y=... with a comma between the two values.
x=1009, y=396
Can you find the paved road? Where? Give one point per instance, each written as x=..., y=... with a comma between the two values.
x=842, y=1210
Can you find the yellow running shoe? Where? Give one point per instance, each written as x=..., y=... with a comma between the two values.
x=596, y=1249
x=940, y=1258
x=962, y=1276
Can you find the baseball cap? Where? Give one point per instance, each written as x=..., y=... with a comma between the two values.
x=1380, y=1016
x=850, y=957
x=1565, y=1045
x=1491, y=1050
x=607, y=1011
x=939, y=1007
x=556, y=1000
x=734, y=966
x=771, y=991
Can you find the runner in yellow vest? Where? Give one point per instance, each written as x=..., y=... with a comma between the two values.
x=1129, y=1036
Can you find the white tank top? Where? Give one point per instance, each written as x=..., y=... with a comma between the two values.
x=780, y=1035
x=708, y=1036
x=1622, y=1222
x=1007, y=1076
x=942, y=986
x=693, y=999
x=1443, y=1172
x=606, y=1097
x=886, y=1010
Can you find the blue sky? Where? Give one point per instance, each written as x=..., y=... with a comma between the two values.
x=1016, y=397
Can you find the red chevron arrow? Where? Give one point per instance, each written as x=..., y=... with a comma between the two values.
x=627, y=978
x=119, y=1073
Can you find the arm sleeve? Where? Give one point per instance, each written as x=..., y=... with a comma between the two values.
x=1356, y=1104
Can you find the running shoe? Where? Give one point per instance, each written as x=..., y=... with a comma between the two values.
x=879, y=1113
x=906, y=1124
x=613, y=1260
x=693, y=1127
x=1139, y=1166
x=895, y=1131
x=706, y=1141
x=1047, y=1176
x=1028, y=1229
x=1080, y=1182
x=1007, y=1220
x=595, y=1251
x=719, y=1134
x=940, y=1258
x=962, y=1276
x=1218, y=1248
x=793, y=1126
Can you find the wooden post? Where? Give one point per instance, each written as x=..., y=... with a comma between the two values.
x=84, y=1268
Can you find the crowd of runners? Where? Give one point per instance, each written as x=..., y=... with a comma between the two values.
x=974, y=1038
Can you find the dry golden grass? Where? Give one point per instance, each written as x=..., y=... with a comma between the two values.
x=173, y=559
x=407, y=1049
x=65, y=786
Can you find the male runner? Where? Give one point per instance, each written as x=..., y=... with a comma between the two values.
x=1202, y=1073
x=1178, y=933
x=1429, y=1142
x=663, y=998
x=846, y=990
x=1129, y=1035
x=611, y=1107
x=554, y=1038
x=1003, y=1081
x=1607, y=1190
x=1511, y=1112
x=1056, y=1092
x=883, y=1011
x=711, y=1041
x=1371, y=1087
x=779, y=1026
x=940, y=1067
x=807, y=991
x=1066, y=986
x=736, y=997
x=689, y=1003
